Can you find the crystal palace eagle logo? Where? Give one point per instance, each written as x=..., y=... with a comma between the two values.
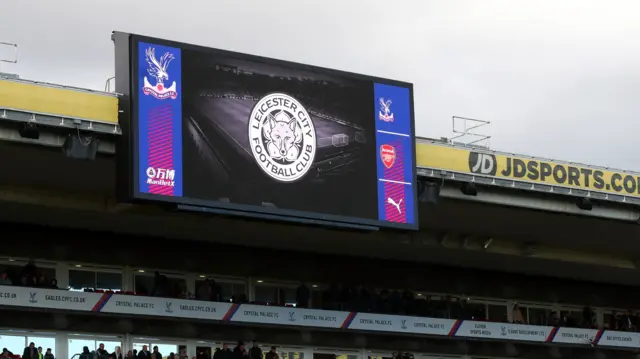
x=159, y=71
x=385, y=113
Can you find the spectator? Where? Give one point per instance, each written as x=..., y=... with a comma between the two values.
x=216, y=291
x=86, y=354
x=144, y=353
x=588, y=317
x=40, y=355
x=517, y=316
x=156, y=352
x=255, y=352
x=101, y=351
x=4, y=279
x=130, y=355
x=6, y=353
x=629, y=322
x=302, y=296
x=239, y=352
x=54, y=284
x=272, y=354
x=205, y=291
x=30, y=352
x=49, y=354
x=117, y=354
x=30, y=271
x=224, y=353
x=160, y=285
x=42, y=281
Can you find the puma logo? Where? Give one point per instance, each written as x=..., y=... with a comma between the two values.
x=393, y=203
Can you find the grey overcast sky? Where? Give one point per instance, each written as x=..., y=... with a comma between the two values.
x=557, y=78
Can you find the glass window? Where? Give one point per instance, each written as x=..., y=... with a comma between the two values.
x=15, y=343
x=109, y=281
x=109, y=346
x=143, y=284
x=79, y=280
x=44, y=342
x=288, y=296
x=76, y=345
x=266, y=294
x=165, y=349
x=176, y=287
x=574, y=318
x=539, y=316
x=227, y=290
x=609, y=320
x=15, y=273
x=275, y=294
x=294, y=355
x=230, y=290
x=498, y=313
x=138, y=346
x=476, y=310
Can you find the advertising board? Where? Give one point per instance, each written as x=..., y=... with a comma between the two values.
x=217, y=129
x=249, y=314
x=486, y=163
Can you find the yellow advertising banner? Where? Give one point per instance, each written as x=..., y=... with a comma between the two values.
x=58, y=101
x=520, y=168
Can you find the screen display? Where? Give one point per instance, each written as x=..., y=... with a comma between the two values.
x=224, y=130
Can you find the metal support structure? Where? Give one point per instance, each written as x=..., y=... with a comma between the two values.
x=10, y=60
x=107, y=84
x=465, y=129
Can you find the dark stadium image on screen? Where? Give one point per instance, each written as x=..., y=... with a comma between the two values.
x=271, y=136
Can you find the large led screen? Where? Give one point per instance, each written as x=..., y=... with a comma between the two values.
x=218, y=129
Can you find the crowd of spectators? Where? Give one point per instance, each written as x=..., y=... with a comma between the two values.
x=28, y=276
x=117, y=353
x=353, y=298
x=30, y=352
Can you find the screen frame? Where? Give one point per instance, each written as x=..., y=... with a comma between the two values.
x=130, y=129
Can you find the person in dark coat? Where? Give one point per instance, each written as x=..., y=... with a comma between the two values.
x=255, y=352
x=272, y=354
x=49, y=354
x=224, y=353
x=30, y=352
x=239, y=352
x=86, y=354
x=117, y=354
x=102, y=352
x=144, y=353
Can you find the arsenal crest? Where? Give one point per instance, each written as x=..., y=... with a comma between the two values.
x=387, y=155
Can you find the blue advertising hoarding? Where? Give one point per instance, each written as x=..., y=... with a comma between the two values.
x=159, y=119
x=395, y=141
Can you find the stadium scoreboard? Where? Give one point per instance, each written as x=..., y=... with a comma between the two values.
x=221, y=130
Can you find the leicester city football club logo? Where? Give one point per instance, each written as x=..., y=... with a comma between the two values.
x=282, y=137
x=160, y=71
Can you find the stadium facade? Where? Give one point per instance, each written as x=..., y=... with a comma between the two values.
x=498, y=231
